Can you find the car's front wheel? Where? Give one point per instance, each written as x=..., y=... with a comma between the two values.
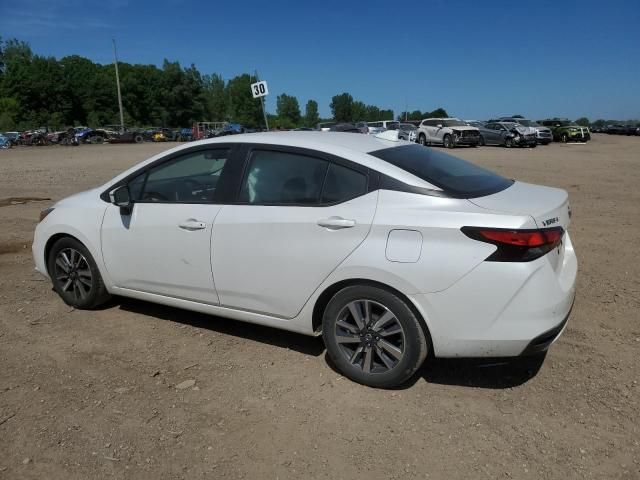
x=422, y=140
x=373, y=337
x=564, y=138
x=75, y=275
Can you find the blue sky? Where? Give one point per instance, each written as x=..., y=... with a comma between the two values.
x=477, y=59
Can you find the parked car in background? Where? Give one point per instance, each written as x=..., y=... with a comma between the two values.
x=507, y=134
x=185, y=135
x=632, y=129
x=543, y=134
x=5, y=143
x=564, y=130
x=14, y=137
x=408, y=131
x=449, y=132
x=385, y=124
x=345, y=127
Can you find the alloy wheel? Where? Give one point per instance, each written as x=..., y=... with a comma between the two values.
x=73, y=274
x=370, y=336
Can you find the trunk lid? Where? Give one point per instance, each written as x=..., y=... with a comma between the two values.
x=549, y=207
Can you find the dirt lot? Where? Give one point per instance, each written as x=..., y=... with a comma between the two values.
x=93, y=394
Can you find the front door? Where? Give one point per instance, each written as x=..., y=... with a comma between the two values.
x=163, y=245
x=296, y=218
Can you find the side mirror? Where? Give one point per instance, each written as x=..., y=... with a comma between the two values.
x=439, y=125
x=121, y=197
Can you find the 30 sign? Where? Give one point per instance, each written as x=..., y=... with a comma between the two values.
x=259, y=89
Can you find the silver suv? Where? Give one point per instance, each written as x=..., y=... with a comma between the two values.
x=543, y=134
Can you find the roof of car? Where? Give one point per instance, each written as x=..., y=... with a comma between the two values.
x=315, y=140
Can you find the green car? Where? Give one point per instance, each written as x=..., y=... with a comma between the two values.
x=564, y=130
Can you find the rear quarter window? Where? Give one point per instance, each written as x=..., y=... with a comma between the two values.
x=456, y=177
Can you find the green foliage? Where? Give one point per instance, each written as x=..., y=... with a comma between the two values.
x=243, y=108
x=583, y=121
x=418, y=115
x=345, y=109
x=288, y=109
x=311, y=117
x=342, y=107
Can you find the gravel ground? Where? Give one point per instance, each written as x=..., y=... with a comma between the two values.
x=137, y=390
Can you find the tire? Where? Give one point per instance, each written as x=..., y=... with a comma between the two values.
x=96, y=139
x=564, y=138
x=380, y=356
x=508, y=142
x=533, y=145
x=138, y=139
x=422, y=140
x=446, y=141
x=481, y=141
x=75, y=275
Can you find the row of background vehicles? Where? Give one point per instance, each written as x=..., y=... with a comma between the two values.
x=118, y=134
x=632, y=129
x=514, y=131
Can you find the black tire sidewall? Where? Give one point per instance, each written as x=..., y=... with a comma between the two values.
x=97, y=295
x=415, y=342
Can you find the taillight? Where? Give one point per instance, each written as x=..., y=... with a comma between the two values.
x=517, y=245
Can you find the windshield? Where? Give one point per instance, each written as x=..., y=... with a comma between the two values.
x=454, y=176
x=527, y=123
x=453, y=123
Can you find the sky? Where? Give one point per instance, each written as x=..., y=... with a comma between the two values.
x=476, y=58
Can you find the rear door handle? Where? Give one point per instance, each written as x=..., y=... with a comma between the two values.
x=192, y=225
x=336, y=223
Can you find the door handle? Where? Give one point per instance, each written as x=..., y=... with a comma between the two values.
x=336, y=223
x=192, y=225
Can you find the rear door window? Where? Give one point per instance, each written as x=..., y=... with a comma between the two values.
x=343, y=184
x=454, y=176
x=282, y=178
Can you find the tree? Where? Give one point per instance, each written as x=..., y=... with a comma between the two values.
x=311, y=117
x=288, y=109
x=341, y=107
x=583, y=121
x=243, y=108
x=439, y=113
x=216, y=98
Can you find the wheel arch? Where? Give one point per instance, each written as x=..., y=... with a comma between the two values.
x=52, y=241
x=323, y=300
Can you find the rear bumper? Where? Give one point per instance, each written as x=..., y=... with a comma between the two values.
x=502, y=309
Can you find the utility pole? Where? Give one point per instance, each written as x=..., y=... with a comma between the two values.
x=115, y=56
x=264, y=112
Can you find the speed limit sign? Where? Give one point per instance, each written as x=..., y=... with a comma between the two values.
x=259, y=89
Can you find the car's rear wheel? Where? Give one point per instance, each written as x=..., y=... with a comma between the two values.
x=533, y=145
x=75, y=275
x=447, y=142
x=373, y=337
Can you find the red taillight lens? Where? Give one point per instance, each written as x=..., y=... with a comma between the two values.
x=517, y=245
x=524, y=238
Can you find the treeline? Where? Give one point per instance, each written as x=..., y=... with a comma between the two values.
x=40, y=91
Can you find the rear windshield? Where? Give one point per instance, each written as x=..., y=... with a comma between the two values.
x=453, y=175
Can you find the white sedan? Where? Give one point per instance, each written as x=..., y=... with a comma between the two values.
x=389, y=250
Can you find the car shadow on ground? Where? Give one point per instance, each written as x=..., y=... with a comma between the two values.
x=279, y=338
x=489, y=373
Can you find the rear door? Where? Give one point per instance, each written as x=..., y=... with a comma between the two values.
x=297, y=215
